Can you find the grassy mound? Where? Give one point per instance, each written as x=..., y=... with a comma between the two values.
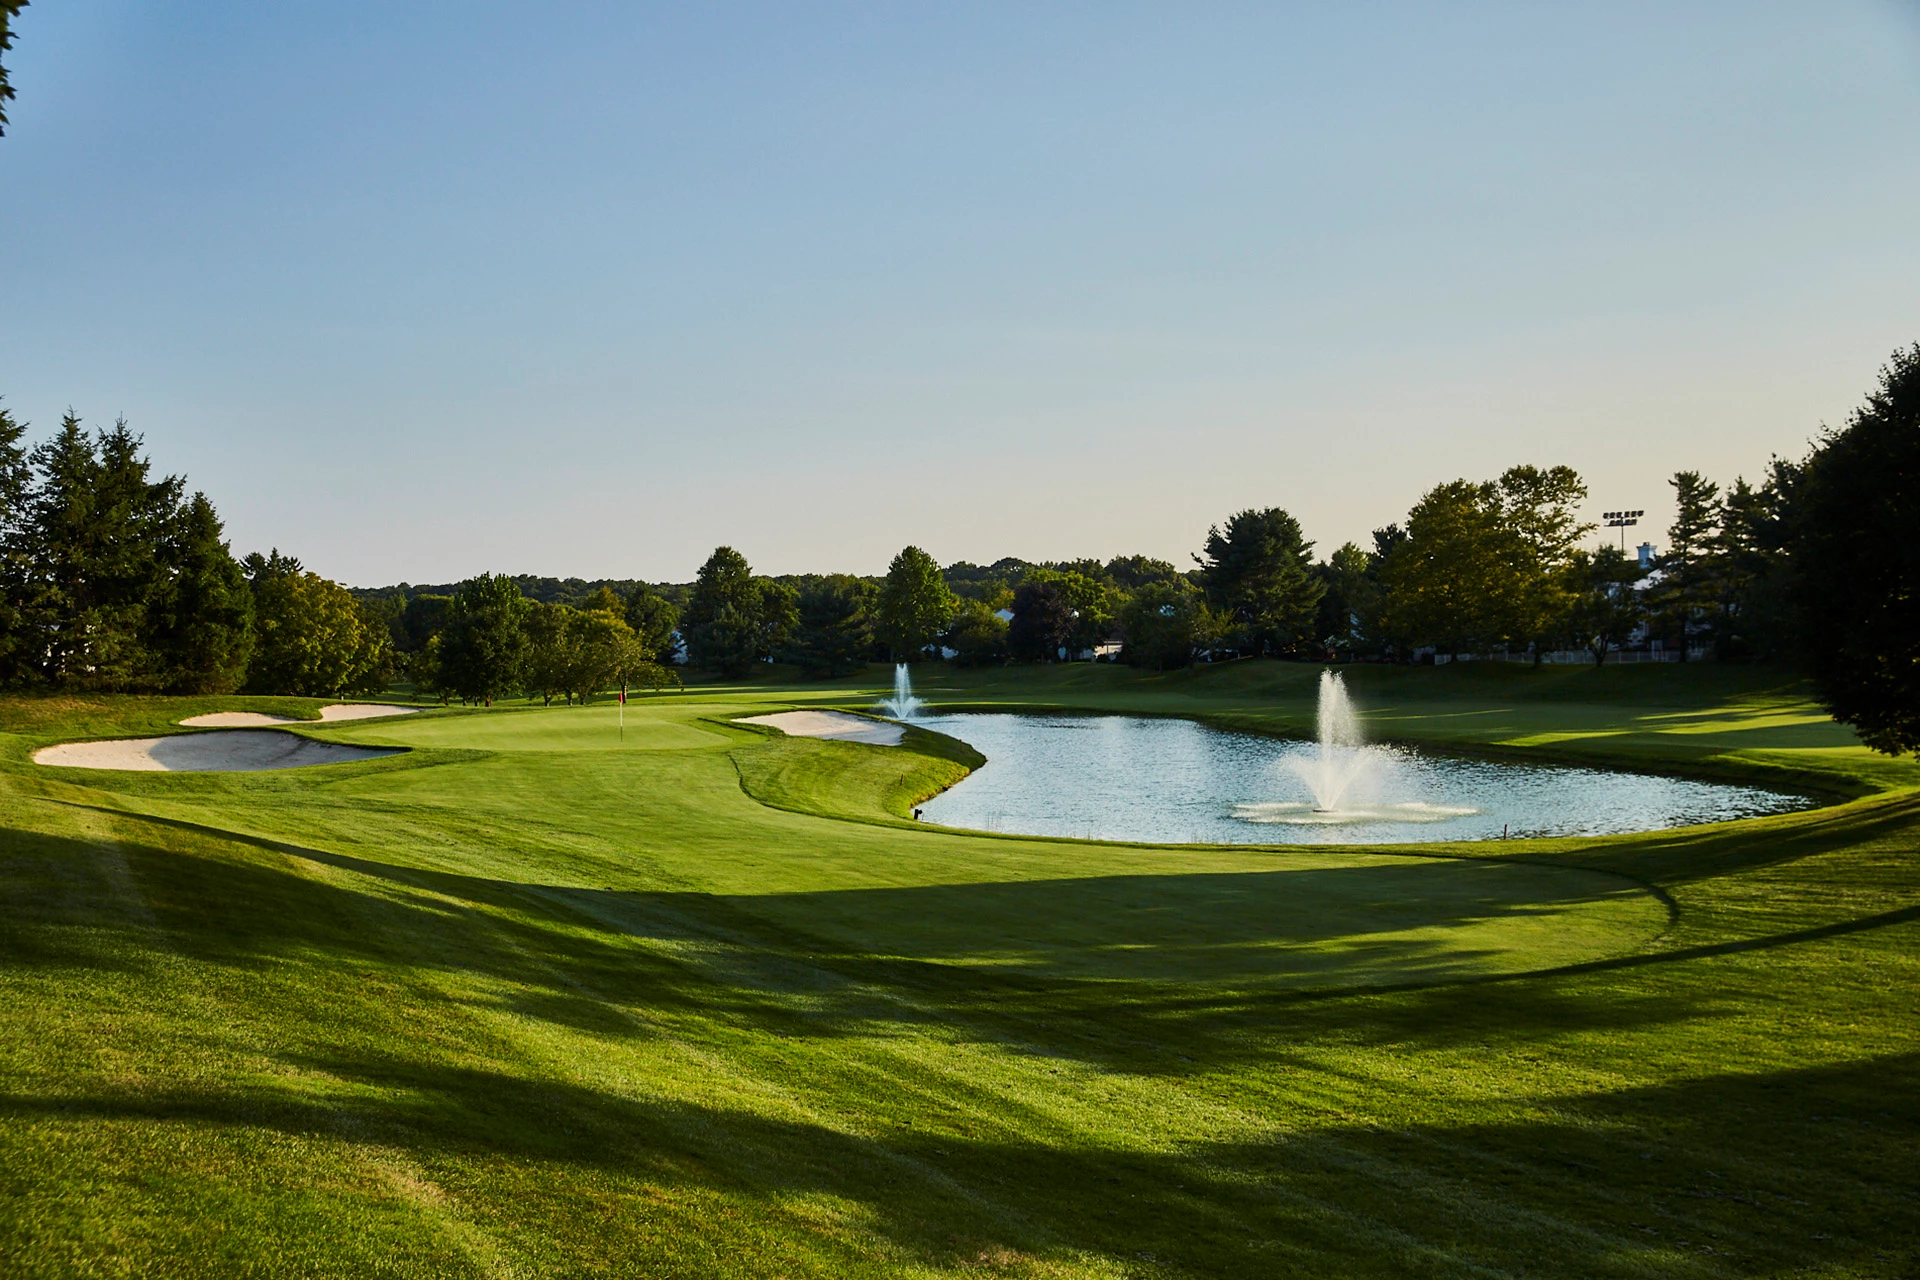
x=531, y=999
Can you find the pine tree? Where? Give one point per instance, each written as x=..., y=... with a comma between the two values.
x=1259, y=572
x=17, y=648
x=1686, y=593
x=203, y=627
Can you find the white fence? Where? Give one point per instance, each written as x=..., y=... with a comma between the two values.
x=1578, y=657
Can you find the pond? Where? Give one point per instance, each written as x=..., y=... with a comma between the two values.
x=1179, y=781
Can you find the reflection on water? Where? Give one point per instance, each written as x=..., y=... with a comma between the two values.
x=1174, y=781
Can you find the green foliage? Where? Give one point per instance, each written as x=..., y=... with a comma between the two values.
x=550, y=650
x=733, y=619
x=312, y=638
x=1350, y=595
x=607, y=654
x=1166, y=623
x=202, y=623
x=1752, y=610
x=1687, y=590
x=110, y=578
x=1540, y=507
x=1130, y=573
x=9, y=10
x=1857, y=563
x=1453, y=582
x=915, y=606
x=1258, y=573
x=482, y=652
x=1607, y=607
x=18, y=652
x=1485, y=567
x=423, y=618
x=1043, y=619
x=991, y=585
x=834, y=634
x=978, y=635
x=654, y=622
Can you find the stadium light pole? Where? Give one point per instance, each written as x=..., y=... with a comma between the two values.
x=1622, y=520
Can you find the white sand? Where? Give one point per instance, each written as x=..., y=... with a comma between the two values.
x=257, y=719
x=832, y=724
x=230, y=751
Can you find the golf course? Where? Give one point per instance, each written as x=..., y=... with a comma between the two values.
x=584, y=991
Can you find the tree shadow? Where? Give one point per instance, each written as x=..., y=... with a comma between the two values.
x=1720, y=1175
x=1156, y=974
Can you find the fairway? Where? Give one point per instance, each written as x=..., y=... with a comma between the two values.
x=531, y=999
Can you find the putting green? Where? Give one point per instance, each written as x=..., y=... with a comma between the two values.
x=596, y=727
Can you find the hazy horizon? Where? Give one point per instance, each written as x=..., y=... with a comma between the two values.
x=418, y=294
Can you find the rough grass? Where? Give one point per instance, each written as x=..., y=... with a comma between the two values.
x=531, y=1000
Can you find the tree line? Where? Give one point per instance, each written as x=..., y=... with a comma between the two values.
x=114, y=579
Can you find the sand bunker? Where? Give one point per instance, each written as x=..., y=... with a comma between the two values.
x=230, y=751
x=832, y=724
x=256, y=719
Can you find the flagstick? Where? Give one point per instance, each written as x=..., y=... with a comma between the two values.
x=623, y=714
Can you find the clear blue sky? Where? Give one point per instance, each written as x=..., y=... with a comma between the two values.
x=419, y=290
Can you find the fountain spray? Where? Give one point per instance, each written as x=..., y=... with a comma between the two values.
x=902, y=705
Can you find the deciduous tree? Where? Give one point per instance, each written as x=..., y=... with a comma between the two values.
x=312, y=640
x=1042, y=620
x=483, y=648
x=1166, y=622
x=915, y=604
x=654, y=621
x=978, y=635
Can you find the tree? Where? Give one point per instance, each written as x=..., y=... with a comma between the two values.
x=18, y=654
x=94, y=530
x=483, y=649
x=1454, y=581
x=1686, y=592
x=1165, y=623
x=1753, y=575
x=1042, y=620
x=549, y=657
x=1857, y=563
x=423, y=618
x=1540, y=509
x=1258, y=572
x=978, y=635
x=605, y=653
x=834, y=635
x=1348, y=589
x=9, y=10
x=1130, y=573
x=1607, y=607
x=312, y=640
x=733, y=619
x=202, y=624
x=915, y=604
x=601, y=600
x=1485, y=566
x=655, y=622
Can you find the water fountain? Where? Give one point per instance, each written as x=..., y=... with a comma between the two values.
x=1343, y=757
x=902, y=705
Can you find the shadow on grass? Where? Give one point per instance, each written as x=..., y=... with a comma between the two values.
x=1716, y=1176
x=1149, y=974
